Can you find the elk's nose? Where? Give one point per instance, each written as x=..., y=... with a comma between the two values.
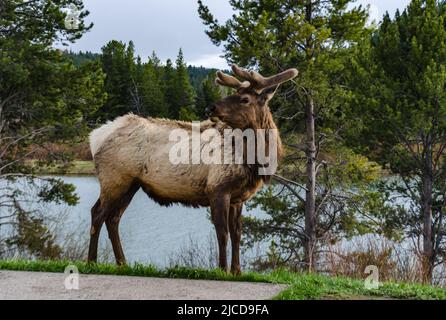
x=210, y=109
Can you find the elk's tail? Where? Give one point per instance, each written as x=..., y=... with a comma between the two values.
x=99, y=135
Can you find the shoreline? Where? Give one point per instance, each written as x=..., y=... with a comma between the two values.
x=76, y=168
x=86, y=168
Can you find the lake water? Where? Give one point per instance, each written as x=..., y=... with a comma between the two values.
x=149, y=233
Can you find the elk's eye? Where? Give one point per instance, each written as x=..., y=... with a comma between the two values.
x=245, y=101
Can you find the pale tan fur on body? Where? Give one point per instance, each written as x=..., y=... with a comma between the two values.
x=138, y=149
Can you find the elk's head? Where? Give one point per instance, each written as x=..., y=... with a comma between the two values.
x=248, y=107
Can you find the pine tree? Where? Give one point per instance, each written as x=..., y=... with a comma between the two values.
x=137, y=106
x=169, y=87
x=119, y=66
x=399, y=103
x=185, y=97
x=209, y=93
x=153, y=96
x=130, y=59
x=178, y=91
x=156, y=62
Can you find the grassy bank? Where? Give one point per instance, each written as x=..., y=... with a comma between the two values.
x=77, y=167
x=301, y=285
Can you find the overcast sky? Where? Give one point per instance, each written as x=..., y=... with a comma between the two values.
x=164, y=26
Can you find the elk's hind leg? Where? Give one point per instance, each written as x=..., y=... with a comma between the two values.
x=113, y=219
x=116, y=194
x=97, y=220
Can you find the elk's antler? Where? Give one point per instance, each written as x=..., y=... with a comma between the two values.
x=230, y=81
x=259, y=82
x=253, y=79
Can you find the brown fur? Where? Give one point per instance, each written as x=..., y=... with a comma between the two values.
x=135, y=154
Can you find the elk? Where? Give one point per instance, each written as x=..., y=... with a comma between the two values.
x=132, y=152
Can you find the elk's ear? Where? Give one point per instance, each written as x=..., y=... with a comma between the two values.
x=268, y=93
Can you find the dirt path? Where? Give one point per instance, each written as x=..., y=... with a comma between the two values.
x=49, y=286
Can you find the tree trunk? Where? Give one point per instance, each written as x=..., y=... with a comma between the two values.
x=426, y=207
x=2, y=123
x=310, y=197
x=3, y=104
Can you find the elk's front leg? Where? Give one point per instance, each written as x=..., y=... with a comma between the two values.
x=220, y=205
x=235, y=230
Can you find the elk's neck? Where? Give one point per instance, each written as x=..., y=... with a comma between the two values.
x=267, y=123
x=269, y=141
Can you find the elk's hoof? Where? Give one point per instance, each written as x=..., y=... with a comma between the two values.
x=236, y=271
x=121, y=263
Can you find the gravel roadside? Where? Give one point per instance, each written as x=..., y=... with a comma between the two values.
x=51, y=286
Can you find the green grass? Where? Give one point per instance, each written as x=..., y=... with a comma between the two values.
x=300, y=285
x=313, y=286
x=129, y=270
